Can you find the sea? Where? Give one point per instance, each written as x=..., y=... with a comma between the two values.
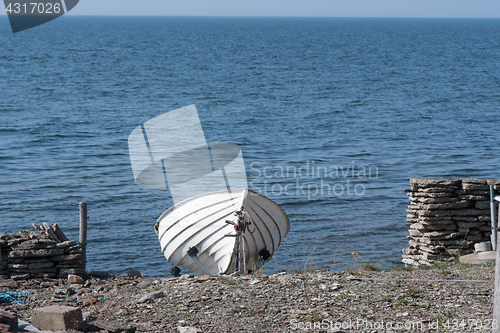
x=333, y=117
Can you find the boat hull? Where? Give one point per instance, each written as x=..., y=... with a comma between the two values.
x=201, y=222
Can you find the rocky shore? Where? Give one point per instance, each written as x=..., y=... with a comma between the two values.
x=358, y=300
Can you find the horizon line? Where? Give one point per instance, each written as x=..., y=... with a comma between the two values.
x=269, y=16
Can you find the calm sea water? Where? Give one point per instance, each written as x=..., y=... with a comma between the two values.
x=333, y=117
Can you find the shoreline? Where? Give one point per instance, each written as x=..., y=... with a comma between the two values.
x=358, y=300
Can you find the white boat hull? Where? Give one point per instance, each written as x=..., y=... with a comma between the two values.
x=201, y=222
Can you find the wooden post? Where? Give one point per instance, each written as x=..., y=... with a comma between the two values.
x=83, y=232
x=493, y=213
x=496, y=297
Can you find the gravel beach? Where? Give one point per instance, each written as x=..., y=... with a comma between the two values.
x=358, y=300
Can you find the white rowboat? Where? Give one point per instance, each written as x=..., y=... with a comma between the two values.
x=199, y=223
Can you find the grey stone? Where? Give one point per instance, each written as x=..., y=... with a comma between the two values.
x=457, y=252
x=133, y=272
x=411, y=262
x=465, y=218
x=434, y=182
x=474, y=181
x=33, y=244
x=442, y=235
x=34, y=266
x=15, y=260
x=20, y=276
x=75, y=249
x=466, y=231
x=479, y=258
x=66, y=244
x=151, y=296
x=436, y=220
x=35, y=253
x=18, y=266
x=414, y=232
x=410, y=251
x=46, y=241
x=437, y=190
x=472, y=197
x=69, y=266
x=446, y=205
x=36, y=260
x=432, y=227
x=426, y=200
x=454, y=212
x=433, y=249
x=414, y=244
x=75, y=279
x=429, y=256
x=475, y=187
x=485, y=194
x=75, y=271
x=468, y=225
x=447, y=242
x=43, y=270
x=68, y=258
x=474, y=237
x=412, y=256
x=187, y=329
x=57, y=318
x=432, y=195
x=482, y=205
x=14, y=241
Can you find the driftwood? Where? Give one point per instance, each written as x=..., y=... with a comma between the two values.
x=37, y=228
x=50, y=232
x=54, y=232
x=59, y=233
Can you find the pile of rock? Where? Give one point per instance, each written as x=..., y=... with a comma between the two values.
x=447, y=216
x=28, y=254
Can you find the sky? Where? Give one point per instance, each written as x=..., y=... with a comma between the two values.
x=305, y=8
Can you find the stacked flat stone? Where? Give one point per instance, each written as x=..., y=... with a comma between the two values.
x=28, y=254
x=447, y=216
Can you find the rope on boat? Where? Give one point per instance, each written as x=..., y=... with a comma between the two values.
x=251, y=222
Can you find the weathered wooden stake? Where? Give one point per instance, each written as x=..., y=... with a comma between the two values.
x=496, y=297
x=83, y=232
x=493, y=210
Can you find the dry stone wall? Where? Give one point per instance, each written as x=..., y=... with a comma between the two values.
x=447, y=216
x=28, y=254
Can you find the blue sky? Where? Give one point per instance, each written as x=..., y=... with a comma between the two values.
x=328, y=8
x=331, y=8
